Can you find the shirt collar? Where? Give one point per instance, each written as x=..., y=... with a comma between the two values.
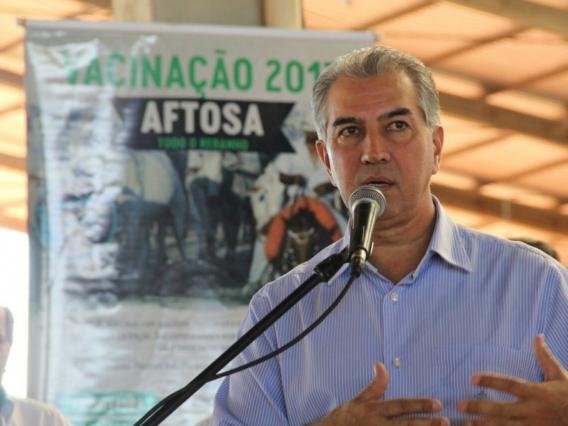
x=447, y=240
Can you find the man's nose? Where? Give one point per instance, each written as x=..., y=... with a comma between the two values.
x=375, y=150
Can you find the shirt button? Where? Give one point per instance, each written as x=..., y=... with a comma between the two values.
x=394, y=296
x=396, y=362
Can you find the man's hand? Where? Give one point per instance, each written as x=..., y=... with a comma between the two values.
x=367, y=408
x=537, y=404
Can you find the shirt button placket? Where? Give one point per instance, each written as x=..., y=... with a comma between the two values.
x=392, y=347
x=394, y=297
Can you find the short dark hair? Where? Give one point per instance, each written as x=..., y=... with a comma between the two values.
x=369, y=62
x=9, y=325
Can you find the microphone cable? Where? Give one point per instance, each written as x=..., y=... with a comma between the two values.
x=354, y=275
x=296, y=339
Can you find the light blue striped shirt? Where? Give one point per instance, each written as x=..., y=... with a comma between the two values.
x=474, y=303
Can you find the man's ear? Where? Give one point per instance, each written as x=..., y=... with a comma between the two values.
x=324, y=158
x=438, y=141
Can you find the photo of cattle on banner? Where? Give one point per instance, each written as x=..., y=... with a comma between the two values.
x=156, y=223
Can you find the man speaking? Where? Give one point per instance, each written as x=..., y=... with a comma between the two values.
x=444, y=325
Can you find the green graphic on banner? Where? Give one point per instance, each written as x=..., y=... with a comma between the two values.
x=103, y=408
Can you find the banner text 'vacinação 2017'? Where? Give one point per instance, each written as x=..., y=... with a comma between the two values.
x=202, y=74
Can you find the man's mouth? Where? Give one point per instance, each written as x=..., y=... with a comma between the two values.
x=381, y=182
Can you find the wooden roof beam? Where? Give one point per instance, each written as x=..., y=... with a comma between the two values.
x=397, y=14
x=488, y=141
x=525, y=12
x=521, y=84
x=104, y=4
x=505, y=209
x=11, y=78
x=11, y=108
x=554, y=131
x=13, y=162
x=475, y=44
x=11, y=222
x=532, y=170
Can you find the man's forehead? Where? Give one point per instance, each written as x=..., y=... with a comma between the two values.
x=385, y=87
x=393, y=91
x=381, y=79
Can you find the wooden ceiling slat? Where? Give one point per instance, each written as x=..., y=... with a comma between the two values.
x=476, y=44
x=479, y=144
x=12, y=161
x=541, y=218
x=11, y=108
x=103, y=4
x=521, y=84
x=11, y=222
x=552, y=181
x=532, y=170
x=394, y=15
x=525, y=12
x=505, y=119
x=11, y=78
x=16, y=42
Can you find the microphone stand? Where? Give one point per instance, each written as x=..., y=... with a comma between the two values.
x=322, y=273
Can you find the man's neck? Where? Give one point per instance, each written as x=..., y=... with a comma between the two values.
x=398, y=249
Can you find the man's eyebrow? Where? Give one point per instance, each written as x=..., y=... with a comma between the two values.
x=354, y=120
x=344, y=120
x=395, y=112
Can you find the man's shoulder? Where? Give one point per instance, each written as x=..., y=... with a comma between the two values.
x=31, y=411
x=500, y=250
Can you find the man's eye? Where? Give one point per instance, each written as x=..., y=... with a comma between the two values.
x=349, y=131
x=397, y=126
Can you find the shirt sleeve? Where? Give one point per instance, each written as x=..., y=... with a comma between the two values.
x=253, y=396
x=555, y=312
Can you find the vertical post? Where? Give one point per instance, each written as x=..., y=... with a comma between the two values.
x=282, y=13
x=269, y=13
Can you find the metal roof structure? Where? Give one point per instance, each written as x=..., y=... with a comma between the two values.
x=501, y=68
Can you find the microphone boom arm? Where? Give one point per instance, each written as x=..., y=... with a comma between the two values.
x=322, y=273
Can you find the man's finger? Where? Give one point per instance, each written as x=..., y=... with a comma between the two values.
x=434, y=421
x=501, y=409
x=376, y=387
x=398, y=407
x=548, y=363
x=513, y=385
x=495, y=422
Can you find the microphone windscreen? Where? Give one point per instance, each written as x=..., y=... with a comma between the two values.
x=368, y=193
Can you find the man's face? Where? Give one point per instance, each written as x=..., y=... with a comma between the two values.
x=4, y=344
x=376, y=133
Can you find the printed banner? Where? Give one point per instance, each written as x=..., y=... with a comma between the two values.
x=172, y=173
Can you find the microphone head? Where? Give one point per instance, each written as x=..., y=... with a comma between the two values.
x=368, y=194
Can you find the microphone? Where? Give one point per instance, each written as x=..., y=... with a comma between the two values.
x=366, y=204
